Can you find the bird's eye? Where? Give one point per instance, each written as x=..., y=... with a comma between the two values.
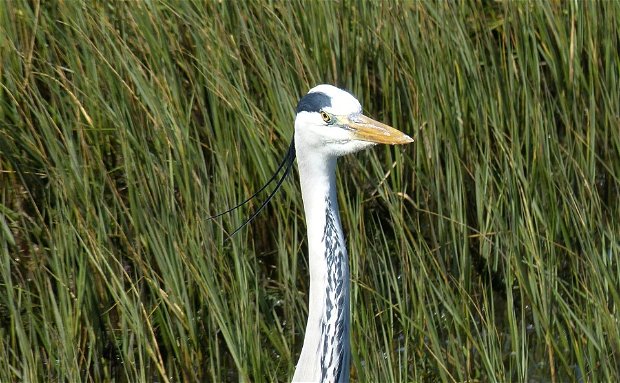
x=325, y=117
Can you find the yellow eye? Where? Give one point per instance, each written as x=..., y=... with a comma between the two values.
x=325, y=117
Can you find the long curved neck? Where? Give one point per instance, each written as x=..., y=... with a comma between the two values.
x=326, y=351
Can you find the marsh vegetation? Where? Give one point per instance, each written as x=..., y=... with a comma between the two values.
x=485, y=251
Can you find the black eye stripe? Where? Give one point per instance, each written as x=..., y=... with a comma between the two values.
x=314, y=102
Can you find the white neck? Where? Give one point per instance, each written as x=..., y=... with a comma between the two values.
x=326, y=350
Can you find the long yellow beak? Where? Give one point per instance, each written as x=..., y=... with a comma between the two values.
x=366, y=129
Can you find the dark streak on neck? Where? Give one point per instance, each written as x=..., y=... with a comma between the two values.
x=333, y=358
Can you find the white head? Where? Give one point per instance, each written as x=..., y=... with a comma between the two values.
x=330, y=122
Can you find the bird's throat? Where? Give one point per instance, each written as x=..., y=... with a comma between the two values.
x=334, y=327
x=326, y=351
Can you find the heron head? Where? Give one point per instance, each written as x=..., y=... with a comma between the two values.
x=329, y=124
x=330, y=121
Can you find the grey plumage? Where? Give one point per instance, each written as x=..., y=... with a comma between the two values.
x=335, y=323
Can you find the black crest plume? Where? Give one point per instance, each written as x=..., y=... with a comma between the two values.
x=286, y=165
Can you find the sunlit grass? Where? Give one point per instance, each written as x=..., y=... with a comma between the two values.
x=485, y=251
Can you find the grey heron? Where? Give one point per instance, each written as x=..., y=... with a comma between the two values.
x=329, y=124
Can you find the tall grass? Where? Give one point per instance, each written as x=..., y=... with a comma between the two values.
x=486, y=251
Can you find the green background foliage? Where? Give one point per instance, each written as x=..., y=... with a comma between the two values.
x=485, y=251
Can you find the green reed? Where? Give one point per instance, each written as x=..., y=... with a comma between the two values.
x=485, y=251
